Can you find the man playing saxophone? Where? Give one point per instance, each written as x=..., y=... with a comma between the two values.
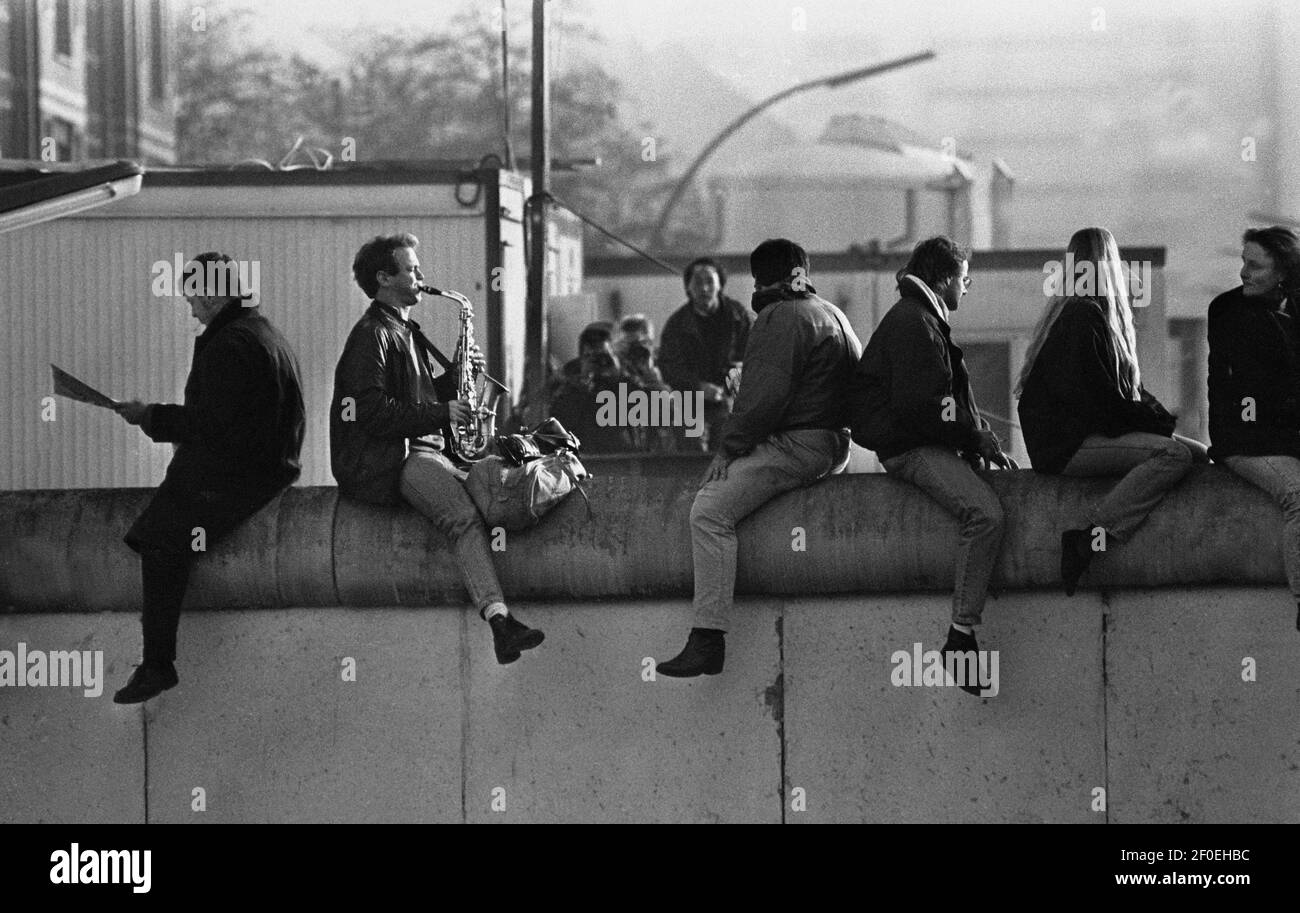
x=388, y=424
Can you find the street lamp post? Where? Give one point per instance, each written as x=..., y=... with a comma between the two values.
x=830, y=82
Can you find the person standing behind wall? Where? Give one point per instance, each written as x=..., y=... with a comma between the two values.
x=1084, y=410
x=634, y=348
x=914, y=406
x=573, y=397
x=1254, y=379
x=702, y=341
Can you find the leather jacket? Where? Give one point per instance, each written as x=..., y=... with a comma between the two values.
x=384, y=396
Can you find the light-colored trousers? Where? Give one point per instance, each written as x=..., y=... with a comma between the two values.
x=432, y=484
x=949, y=479
x=785, y=461
x=1280, y=477
x=1151, y=465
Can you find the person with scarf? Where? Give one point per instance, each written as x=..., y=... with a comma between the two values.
x=1084, y=410
x=787, y=429
x=1255, y=379
x=914, y=406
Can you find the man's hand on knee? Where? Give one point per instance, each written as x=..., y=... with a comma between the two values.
x=717, y=470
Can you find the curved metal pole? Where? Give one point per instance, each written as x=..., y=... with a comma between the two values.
x=832, y=82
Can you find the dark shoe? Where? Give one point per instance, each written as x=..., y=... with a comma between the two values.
x=703, y=654
x=961, y=642
x=1076, y=555
x=146, y=682
x=510, y=637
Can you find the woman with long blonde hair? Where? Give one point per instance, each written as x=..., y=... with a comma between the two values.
x=1083, y=409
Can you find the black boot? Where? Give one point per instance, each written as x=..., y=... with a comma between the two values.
x=147, y=681
x=961, y=642
x=510, y=637
x=1076, y=555
x=703, y=654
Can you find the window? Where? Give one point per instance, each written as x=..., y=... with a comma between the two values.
x=64, y=137
x=63, y=27
x=989, y=365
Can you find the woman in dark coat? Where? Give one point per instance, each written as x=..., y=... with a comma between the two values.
x=1084, y=411
x=1254, y=367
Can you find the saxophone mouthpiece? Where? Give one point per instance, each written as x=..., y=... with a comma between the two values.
x=443, y=293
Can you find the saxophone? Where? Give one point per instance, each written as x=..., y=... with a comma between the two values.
x=470, y=441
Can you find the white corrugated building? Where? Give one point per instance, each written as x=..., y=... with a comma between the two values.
x=78, y=292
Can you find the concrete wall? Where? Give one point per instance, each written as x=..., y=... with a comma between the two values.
x=1134, y=686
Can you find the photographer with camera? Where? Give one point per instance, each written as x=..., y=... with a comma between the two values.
x=573, y=393
x=634, y=349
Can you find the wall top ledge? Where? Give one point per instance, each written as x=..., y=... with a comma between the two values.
x=62, y=551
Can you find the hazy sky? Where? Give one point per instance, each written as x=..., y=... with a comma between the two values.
x=762, y=45
x=763, y=28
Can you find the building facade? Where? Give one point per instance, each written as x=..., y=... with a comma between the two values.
x=88, y=79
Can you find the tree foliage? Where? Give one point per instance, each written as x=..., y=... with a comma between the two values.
x=403, y=96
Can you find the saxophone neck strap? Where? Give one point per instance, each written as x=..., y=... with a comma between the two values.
x=429, y=348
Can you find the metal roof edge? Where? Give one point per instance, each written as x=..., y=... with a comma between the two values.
x=1034, y=258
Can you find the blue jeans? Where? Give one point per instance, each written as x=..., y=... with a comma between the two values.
x=1280, y=477
x=1151, y=465
x=947, y=478
x=432, y=484
x=785, y=461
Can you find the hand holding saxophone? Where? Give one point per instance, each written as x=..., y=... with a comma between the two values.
x=460, y=412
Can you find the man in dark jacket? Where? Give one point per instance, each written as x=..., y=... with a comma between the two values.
x=387, y=420
x=240, y=432
x=702, y=341
x=788, y=430
x=914, y=406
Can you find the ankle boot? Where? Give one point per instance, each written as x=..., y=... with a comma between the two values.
x=1076, y=555
x=510, y=637
x=703, y=654
x=961, y=642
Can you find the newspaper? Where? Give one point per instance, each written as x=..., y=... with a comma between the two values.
x=67, y=385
